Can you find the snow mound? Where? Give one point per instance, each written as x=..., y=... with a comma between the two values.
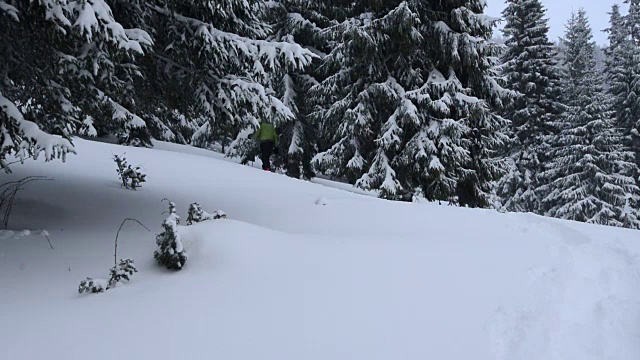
x=583, y=304
x=289, y=279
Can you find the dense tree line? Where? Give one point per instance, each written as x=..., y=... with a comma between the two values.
x=406, y=98
x=576, y=151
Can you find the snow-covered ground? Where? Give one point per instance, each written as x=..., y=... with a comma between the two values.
x=302, y=271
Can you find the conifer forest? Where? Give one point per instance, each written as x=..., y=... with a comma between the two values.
x=408, y=99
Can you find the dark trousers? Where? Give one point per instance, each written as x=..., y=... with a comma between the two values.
x=266, y=149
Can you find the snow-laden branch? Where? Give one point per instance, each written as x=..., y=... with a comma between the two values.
x=233, y=89
x=96, y=16
x=11, y=11
x=120, y=113
x=25, y=138
x=265, y=50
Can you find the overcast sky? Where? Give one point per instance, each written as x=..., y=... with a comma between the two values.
x=559, y=11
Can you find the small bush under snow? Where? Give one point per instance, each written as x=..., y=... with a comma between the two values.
x=131, y=177
x=123, y=271
x=95, y=286
x=197, y=215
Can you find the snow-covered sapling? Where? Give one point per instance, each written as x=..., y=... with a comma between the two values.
x=196, y=214
x=170, y=251
x=90, y=285
x=121, y=161
x=131, y=177
x=135, y=176
x=123, y=271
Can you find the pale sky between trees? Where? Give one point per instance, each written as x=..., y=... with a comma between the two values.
x=559, y=11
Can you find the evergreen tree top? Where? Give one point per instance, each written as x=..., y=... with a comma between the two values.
x=616, y=30
x=526, y=25
x=580, y=47
x=633, y=19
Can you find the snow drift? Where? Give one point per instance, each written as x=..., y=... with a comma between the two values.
x=284, y=278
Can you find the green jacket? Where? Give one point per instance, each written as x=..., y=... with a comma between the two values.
x=266, y=132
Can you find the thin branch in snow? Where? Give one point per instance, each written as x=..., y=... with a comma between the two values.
x=115, y=251
x=10, y=191
x=46, y=235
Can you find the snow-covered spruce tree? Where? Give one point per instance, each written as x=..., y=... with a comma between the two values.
x=107, y=58
x=170, y=253
x=30, y=106
x=134, y=68
x=412, y=116
x=298, y=22
x=625, y=74
x=160, y=101
x=632, y=20
x=214, y=53
x=465, y=48
x=67, y=67
x=618, y=59
x=530, y=69
x=362, y=94
x=590, y=173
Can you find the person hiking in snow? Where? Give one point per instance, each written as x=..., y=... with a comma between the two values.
x=268, y=138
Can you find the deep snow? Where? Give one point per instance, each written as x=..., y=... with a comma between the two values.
x=302, y=271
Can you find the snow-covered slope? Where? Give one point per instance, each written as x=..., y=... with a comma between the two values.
x=185, y=149
x=303, y=271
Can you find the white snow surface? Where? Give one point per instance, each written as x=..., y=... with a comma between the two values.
x=284, y=278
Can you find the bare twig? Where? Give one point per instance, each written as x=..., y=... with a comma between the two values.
x=168, y=201
x=19, y=161
x=115, y=251
x=44, y=233
x=10, y=191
